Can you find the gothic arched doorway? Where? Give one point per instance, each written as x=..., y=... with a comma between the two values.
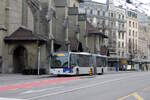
x=19, y=59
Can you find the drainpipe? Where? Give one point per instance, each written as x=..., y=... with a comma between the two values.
x=39, y=57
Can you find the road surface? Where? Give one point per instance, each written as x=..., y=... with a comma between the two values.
x=122, y=86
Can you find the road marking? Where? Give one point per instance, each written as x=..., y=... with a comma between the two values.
x=40, y=83
x=135, y=94
x=10, y=99
x=42, y=90
x=80, y=88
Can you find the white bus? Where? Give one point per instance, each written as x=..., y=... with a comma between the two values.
x=76, y=63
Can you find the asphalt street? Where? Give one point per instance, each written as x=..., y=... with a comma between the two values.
x=121, y=86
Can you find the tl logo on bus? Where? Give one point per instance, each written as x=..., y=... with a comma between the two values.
x=67, y=69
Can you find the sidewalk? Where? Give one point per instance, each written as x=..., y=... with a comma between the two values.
x=21, y=77
x=118, y=72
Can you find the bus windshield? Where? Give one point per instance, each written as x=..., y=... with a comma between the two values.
x=59, y=61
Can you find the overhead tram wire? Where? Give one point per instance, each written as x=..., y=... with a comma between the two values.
x=137, y=4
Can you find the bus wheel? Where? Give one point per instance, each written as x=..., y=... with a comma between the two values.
x=77, y=71
x=102, y=71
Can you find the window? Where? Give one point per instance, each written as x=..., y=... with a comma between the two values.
x=136, y=25
x=91, y=12
x=119, y=44
x=133, y=33
x=103, y=22
x=84, y=60
x=129, y=32
x=133, y=24
x=73, y=60
x=133, y=44
x=112, y=15
x=122, y=16
x=130, y=45
x=103, y=13
x=136, y=43
x=122, y=36
x=119, y=25
x=129, y=23
x=129, y=13
x=114, y=24
x=136, y=33
x=118, y=53
x=99, y=62
x=98, y=23
x=98, y=12
x=122, y=25
x=122, y=53
x=109, y=14
x=119, y=35
x=122, y=44
x=91, y=20
x=119, y=16
x=59, y=61
x=111, y=24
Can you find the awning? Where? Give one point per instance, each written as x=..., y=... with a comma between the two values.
x=116, y=58
x=23, y=34
x=91, y=30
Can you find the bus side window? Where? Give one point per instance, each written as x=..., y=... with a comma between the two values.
x=73, y=60
x=104, y=62
x=99, y=62
x=92, y=61
x=77, y=61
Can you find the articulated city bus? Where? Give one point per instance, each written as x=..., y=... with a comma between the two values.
x=76, y=63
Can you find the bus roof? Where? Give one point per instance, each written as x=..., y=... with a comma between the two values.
x=82, y=53
x=100, y=55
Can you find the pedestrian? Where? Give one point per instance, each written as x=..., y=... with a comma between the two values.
x=146, y=67
x=124, y=67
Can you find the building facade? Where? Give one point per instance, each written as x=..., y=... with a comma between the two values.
x=144, y=36
x=132, y=36
x=11, y=18
x=143, y=42
x=39, y=28
x=110, y=20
